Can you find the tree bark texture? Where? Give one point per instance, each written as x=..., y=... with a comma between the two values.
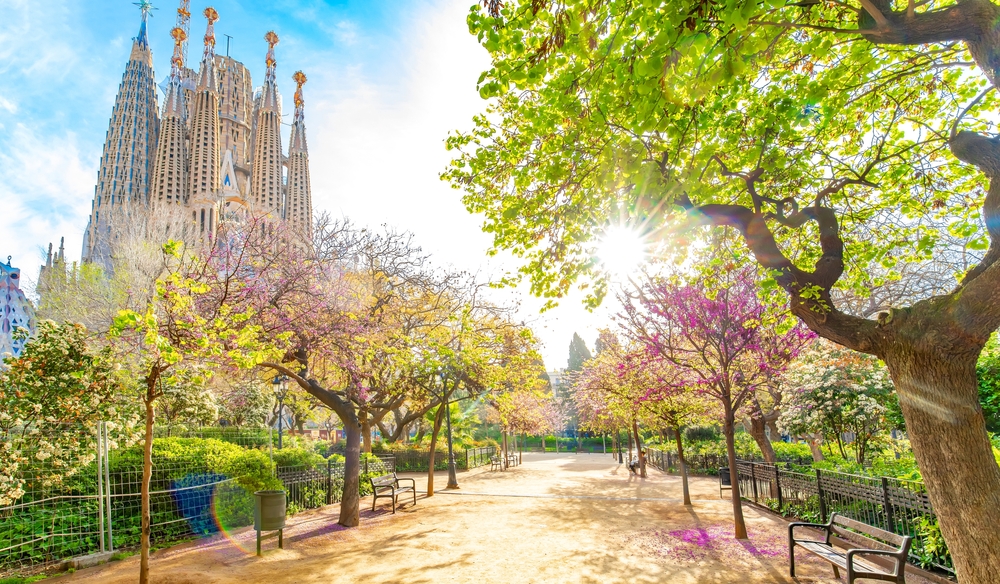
x=147, y=473
x=350, y=502
x=438, y=418
x=683, y=464
x=940, y=401
x=815, y=448
x=366, y=432
x=758, y=430
x=729, y=429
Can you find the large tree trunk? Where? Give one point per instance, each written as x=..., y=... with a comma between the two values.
x=683, y=464
x=147, y=472
x=938, y=394
x=350, y=502
x=814, y=447
x=366, y=432
x=729, y=429
x=430, y=458
x=758, y=430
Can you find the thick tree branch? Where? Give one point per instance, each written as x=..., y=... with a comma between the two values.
x=984, y=153
x=965, y=21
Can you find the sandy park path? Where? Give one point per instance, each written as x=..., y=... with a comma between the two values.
x=555, y=518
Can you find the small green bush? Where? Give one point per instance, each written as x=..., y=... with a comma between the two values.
x=297, y=457
x=699, y=433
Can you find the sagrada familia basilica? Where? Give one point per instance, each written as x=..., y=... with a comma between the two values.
x=214, y=150
x=213, y=153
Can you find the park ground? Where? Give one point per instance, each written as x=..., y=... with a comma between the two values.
x=555, y=518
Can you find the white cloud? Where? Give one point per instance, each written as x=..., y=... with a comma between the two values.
x=8, y=105
x=44, y=186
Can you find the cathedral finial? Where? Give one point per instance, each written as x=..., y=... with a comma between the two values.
x=177, y=61
x=212, y=16
x=300, y=79
x=145, y=6
x=184, y=23
x=272, y=39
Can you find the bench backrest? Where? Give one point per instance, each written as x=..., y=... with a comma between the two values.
x=852, y=531
x=384, y=480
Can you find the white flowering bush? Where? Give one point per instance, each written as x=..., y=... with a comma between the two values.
x=833, y=392
x=51, y=398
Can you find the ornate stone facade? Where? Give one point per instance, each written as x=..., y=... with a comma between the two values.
x=215, y=150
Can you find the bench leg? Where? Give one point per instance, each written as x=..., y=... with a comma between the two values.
x=374, y=498
x=393, y=504
x=836, y=571
x=258, y=542
x=791, y=560
x=414, y=496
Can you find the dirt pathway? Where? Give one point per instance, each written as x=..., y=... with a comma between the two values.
x=555, y=518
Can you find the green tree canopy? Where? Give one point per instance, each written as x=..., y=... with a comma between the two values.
x=838, y=138
x=578, y=354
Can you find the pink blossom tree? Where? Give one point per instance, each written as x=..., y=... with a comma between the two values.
x=723, y=345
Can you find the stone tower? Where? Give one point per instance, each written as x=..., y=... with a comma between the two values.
x=127, y=159
x=205, y=141
x=266, y=183
x=298, y=194
x=170, y=172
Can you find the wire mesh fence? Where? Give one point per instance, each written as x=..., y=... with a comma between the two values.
x=60, y=511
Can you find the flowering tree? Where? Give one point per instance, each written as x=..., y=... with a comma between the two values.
x=183, y=322
x=833, y=391
x=51, y=398
x=721, y=345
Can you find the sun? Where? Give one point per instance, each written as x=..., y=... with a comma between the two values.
x=621, y=250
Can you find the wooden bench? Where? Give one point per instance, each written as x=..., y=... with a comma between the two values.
x=496, y=463
x=873, y=542
x=388, y=486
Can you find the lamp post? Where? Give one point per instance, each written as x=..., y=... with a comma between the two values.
x=452, y=474
x=280, y=387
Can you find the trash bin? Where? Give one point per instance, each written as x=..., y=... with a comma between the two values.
x=269, y=515
x=269, y=510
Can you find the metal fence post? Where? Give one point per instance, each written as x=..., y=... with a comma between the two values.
x=329, y=481
x=822, y=496
x=107, y=486
x=753, y=477
x=887, y=503
x=777, y=485
x=100, y=482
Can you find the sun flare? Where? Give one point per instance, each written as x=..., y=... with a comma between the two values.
x=621, y=250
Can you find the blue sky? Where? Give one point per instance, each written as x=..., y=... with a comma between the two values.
x=388, y=79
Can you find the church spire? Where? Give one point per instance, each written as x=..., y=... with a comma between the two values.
x=204, y=172
x=298, y=202
x=145, y=6
x=126, y=163
x=208, y=77
x=170, y=181
x=266, y=188
x=270, y=82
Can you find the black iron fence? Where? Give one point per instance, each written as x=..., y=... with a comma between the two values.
x=892, y=504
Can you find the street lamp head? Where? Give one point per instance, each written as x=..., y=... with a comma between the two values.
x=279, y=385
